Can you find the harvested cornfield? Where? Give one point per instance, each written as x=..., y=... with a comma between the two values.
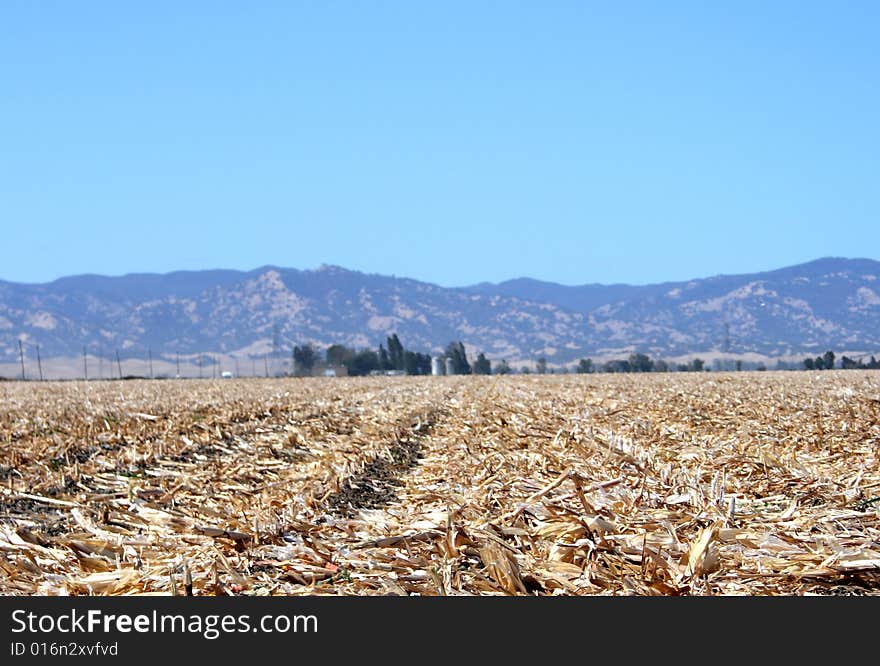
x=665, y=484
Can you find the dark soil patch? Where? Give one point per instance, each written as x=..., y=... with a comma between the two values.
x=134, y=471
x=376, y=485
x=852, y=585
x=79, y=456
x=51, y=521
x=56, y=526
x=67, y=489
x=290, y=455
x=203, y=450
x=82, y=455
x=22, y=506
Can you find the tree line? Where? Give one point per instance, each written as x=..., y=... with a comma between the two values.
x=639, y=363
x=391, y=356
x=643, y=363
x=826, y=362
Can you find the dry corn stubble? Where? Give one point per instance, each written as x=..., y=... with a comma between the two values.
x=666, y=484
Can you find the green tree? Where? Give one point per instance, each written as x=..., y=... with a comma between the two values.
x=362, y=363
x=697, y=365
x=541, y=365
x=848, y=363
x=456, y=352
x=482, y=366
x=828, y=360
x=502, y=368
x=304, y=358
x=640, y=363
x=395, y=353
x=338, y=355
x=585, y=366
x=415, y=363
x=384, y=361
x=617, y=365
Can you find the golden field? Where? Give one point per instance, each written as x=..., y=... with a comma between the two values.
x=665, y=484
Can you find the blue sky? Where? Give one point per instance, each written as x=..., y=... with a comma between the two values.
x=453, y=142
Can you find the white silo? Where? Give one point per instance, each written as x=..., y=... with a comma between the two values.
x=450, y=368
x=437, y=366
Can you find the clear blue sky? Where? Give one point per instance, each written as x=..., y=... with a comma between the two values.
x=453, y=142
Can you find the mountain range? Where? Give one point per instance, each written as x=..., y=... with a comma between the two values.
x=829, y=303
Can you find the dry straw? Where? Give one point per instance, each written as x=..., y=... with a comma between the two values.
x=672, y=484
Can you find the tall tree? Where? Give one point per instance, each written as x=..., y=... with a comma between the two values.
x=585, y=366
x=541, y=365
x=415, y=363
x=338, y=354
x=395, y=352
x=502, y=368
x=617, y=365
x=304, y=358
x=640, y=363
x=456, y=353
x=384, y=361
x=411, y=363
x=848, y=363
x=482, y=366
x=828, y=360
x=362, y=363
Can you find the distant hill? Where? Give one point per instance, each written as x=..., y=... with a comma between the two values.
x=830, y=303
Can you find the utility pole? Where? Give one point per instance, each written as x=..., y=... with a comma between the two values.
x=39, y=363
x=85, y=365
x=118, y=364
x=21, y=356
x=150, y=353
x=200, y=366
x=253, y=367
x=178, y=364
x=275, y=345
x=213, y=368
x=266, y=363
